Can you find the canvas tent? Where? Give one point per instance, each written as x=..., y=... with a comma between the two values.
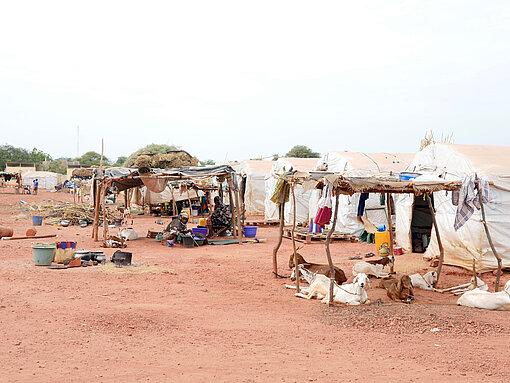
x=280, y=167
x=251, y=177
x=455, y=162
x=357, y=164
x=47, y=180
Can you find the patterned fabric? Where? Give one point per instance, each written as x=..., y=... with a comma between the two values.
x=469, y=199
x=278, y=195
x=221, y=215
x=176, y=227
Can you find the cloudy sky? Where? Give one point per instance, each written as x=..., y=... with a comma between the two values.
x=232, y=80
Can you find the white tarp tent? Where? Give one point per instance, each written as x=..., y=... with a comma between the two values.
x=47, y=180
x=252, y=175
x=359, y=164
x=143, y=195
x=281, y=166
x=453, y=163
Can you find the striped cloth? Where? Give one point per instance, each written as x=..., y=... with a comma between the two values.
x=280, y=194
x=468, y=199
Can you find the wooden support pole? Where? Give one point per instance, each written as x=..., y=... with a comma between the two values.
x=489, y=238
x=232, y=209
x=174, y=204
x=328, y=252
x=97, y=204
x=296, y=272
x=238, y=213
x=280, y=234
x=105, y=219
x=439, y=243
x=390, y=228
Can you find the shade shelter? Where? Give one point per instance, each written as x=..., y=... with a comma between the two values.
x=156, y=180
x=452, y=162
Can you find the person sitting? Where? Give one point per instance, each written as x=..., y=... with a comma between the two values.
x=221, y=218
x=176, y=228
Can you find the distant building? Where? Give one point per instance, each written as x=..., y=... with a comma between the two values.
x=19, y=167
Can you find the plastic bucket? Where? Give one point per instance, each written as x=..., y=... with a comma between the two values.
x=250, y=231
x=202, y=221
x=37, y=220
x=199, y=230
x=43, y=253
x=187, y=241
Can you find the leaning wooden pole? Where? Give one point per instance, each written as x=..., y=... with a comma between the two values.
x=296, y=272
x=97, y=204
x=232, y=207
x=328, y=252
x=439, y=243
x=489, y=238
x=390, y=228
x=239, y=213
x=280, y=232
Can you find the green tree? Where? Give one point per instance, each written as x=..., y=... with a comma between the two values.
x=152, y=148
x=9, y=153
x=302, y=151
x=120, y=161
x=207, y=162
x=92, y=158
x=58, y=166
x=275, y=157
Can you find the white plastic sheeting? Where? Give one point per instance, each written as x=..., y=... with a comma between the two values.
x=254, y=172
x=359, y=164
x=47, y=180
x=279, y=167
x=454, y=163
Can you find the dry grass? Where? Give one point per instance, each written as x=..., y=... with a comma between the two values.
x=429, y=139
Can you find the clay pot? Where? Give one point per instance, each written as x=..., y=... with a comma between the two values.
x=6, y=232
x=31, y=232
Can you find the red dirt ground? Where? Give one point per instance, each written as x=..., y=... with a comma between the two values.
x=217, y=313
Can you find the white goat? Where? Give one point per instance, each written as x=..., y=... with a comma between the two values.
x=484, y=300
x=352, y=294
x=305, y=274
x=425, y=282
x=369, y=269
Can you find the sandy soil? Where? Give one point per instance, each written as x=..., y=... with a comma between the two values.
x=217, y=313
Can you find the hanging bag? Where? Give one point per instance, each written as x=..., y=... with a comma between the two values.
x=325, y=206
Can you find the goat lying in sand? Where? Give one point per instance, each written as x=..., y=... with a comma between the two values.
x=351, y=294
x=317, y=268
x=484, y=300
x=385, y=261
x=399, y=289
x=426, y=281
x=369, y=269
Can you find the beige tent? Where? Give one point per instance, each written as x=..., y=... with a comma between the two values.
x=251, y=176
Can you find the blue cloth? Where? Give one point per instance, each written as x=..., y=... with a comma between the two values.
x=361, y=204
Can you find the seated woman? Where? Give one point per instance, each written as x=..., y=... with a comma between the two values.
x=221, y=217
x=176, y=228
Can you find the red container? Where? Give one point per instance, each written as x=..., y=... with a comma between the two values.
x=398, y=251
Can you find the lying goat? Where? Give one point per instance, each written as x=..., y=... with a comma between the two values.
x=461, y=289
x=317, y=269
x=484, y=300
x=426, y=281
x=399, y=289
x=385, y=261
x=352, y=294
x=369, y=269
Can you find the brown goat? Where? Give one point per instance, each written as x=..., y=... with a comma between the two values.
x=318, y=268
x=386, y=260
x=399, y=288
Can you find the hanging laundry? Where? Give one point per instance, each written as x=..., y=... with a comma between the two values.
x=469, y=199
x=361, y=204
x=325, y=206
x=281, y=193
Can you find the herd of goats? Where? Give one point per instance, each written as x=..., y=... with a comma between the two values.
x=398, y=287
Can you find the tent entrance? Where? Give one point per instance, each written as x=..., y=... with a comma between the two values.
x=421, y=224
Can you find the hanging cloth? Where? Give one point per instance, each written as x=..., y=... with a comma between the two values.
x=325, y=206
x=468, y=199
x=361, y=204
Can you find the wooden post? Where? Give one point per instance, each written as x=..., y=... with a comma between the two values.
x=328, y=252
x=125, y=199
x=390, y=228
x=439, y=243
x=296, y=272
x=105, y=219
x=174, y=204
x=280, y=233
x=238, y=213
x=97, y=204
x=232, y=209
x=489, y=238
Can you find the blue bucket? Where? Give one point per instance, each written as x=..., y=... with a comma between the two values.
x=201, y=230
x=250, y=231
x=37, y=220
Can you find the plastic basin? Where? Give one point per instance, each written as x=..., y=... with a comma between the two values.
x=250, y=231
x=43, y=254
x=199, y=230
